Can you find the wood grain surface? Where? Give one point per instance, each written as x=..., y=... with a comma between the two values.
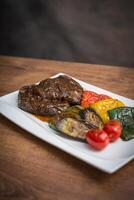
x=32, y=169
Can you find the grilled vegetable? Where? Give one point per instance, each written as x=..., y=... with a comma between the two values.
x=101, y=107
x=126, y=116
x=72, y=127
x=97, y=138
x=91, y=118
x=74, y=109
x=89, y=97
x=113, y=128
x=72, y=112
x=104, y=96
x=52, y=124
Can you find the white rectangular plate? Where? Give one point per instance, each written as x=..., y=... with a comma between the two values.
x=113, y=157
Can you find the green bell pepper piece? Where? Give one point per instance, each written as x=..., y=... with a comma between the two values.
x=126, y=116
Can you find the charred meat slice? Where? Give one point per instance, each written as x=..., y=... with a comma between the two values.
x=38, y=105
x=50, y=96
x=62, y=87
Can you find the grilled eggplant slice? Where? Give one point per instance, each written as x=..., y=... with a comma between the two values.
x=52, y=125
x=72, y=127
x=72, y=112
x=54, y=120
x=91, y=118
x=74, y=109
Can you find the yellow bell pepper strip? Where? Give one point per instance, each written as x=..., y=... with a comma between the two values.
x=102, y=106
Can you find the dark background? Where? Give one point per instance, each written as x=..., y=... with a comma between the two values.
x=88, y=31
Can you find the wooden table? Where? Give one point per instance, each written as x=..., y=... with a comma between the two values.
x=31, y=168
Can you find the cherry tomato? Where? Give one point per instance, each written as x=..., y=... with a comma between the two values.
x=113, y=128
x=97, y=138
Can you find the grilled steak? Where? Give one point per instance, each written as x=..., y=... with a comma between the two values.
x=50, y=96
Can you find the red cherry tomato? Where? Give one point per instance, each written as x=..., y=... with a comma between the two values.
x=97, y=138
x=113, y=128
